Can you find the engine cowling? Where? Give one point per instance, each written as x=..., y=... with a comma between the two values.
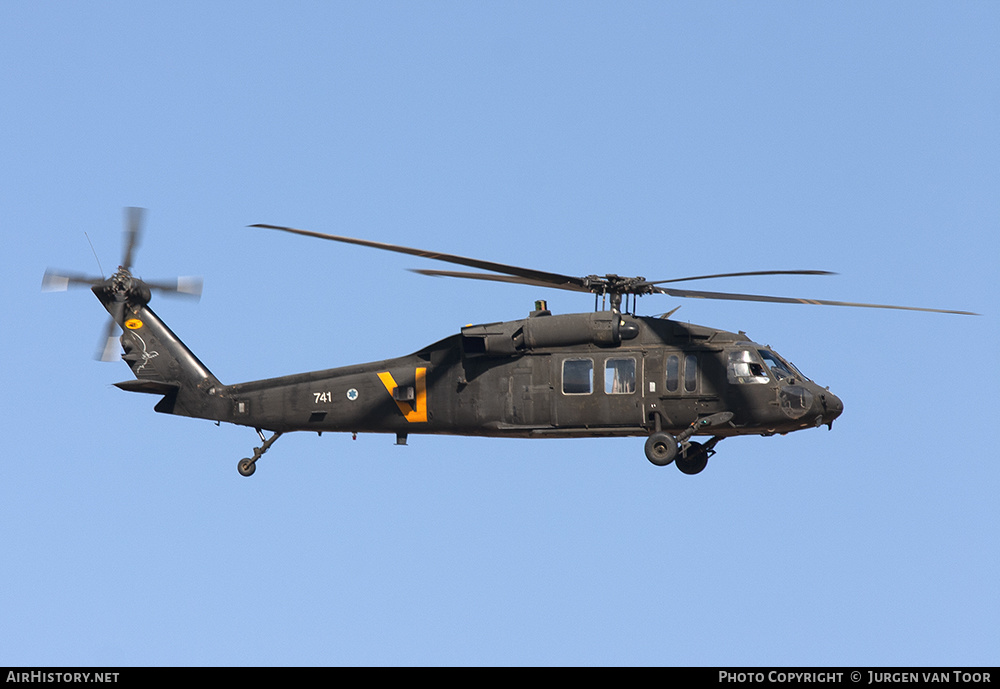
x=602, y=329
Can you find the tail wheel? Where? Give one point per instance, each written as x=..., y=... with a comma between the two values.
x=661, y=448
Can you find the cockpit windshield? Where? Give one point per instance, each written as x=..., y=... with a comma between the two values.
x=754, y=364
x=779, y=367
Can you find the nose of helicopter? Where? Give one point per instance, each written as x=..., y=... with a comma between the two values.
x=832, y=407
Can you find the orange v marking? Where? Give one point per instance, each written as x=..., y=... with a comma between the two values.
x=417, y=411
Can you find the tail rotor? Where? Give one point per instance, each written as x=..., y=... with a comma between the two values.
x=122, y=286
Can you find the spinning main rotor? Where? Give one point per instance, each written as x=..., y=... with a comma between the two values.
x=610, y=285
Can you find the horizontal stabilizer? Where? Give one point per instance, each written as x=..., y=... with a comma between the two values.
x=152, y=387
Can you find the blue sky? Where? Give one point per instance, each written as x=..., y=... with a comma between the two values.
x=655, y=139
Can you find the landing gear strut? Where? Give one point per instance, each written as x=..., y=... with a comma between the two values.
x=248, y=465
x=692, y=457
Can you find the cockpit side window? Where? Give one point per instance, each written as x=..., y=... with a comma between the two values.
x=745, y=367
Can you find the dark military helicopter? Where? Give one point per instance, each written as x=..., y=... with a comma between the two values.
x=604, y=373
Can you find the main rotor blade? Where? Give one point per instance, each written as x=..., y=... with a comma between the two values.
x=610, y=284
x=133, y=232
x=538, y=276
x=691, y=294
x=497, y=278
x=751, y=273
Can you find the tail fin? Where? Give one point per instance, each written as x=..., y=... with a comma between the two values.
x=162, y=364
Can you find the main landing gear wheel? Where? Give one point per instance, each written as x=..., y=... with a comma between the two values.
x=661, y=448
x=693, y=459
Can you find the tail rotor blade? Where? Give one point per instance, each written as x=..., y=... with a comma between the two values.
x=109, y=348
x=134, y=218
x=190, y=284
x=187, y=286
x=54, y=281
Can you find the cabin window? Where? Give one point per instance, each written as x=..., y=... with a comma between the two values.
x=578, y=376
x=745, y=367
x=619, y=376
x=673, y=373
x=691, y=373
